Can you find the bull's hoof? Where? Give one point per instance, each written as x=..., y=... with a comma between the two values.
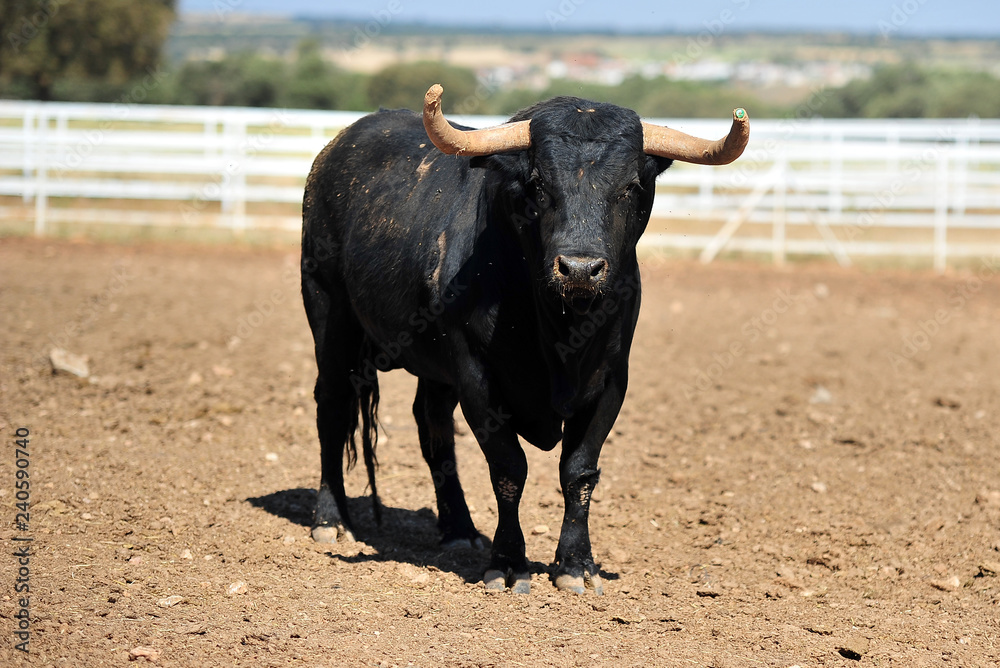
x=328, y=533
x=580, y=584
x=519, y=583
x=454, y=544
x=494, y=580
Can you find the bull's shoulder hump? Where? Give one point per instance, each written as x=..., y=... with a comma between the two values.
x=386, y=124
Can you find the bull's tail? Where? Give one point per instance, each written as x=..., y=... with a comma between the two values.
x=369, y=439
x=367, y=408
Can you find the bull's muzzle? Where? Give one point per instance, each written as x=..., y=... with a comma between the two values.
x=580, y=279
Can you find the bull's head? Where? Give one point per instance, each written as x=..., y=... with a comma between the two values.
x=588, y=171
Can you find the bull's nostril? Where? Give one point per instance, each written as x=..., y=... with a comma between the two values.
x=582, y=272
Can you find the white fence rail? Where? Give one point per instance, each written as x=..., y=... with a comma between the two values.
x=849, y=188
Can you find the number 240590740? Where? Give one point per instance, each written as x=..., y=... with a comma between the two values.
x=22, y=484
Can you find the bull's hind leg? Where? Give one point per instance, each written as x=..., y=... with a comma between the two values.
x=338, y=339
x=434, y=409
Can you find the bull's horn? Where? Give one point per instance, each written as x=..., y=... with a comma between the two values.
x=668, y=143
x=509, y=137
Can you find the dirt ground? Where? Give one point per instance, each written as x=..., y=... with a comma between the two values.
x=805, y=473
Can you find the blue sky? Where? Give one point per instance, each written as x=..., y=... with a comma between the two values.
x=893, y=17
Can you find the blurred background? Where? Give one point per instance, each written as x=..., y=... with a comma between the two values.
x=817, y=178
x=907, y=59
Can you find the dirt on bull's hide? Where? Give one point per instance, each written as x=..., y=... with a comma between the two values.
x=805, y=472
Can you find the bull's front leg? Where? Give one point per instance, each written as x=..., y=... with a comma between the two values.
x=583, y=438
x=508, y=472
x=491, y=426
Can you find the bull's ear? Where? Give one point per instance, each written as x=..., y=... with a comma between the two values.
x=657, y=165
x=510, y=165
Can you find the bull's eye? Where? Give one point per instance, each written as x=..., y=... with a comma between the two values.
x=630, y=190
x=541, y=199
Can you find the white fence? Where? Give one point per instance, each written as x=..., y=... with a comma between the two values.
x=907, y=188
x=203, y=165
x=849, y=188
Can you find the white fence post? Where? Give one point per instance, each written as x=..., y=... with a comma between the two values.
x=41, y=173
x=941, y=215
x=779, y=249
x=836, y=203
x=28, y=147
x=968, y=135
x=233, y=177
x=211, y=125
x=764, y=184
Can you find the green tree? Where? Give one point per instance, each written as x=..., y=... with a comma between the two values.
x=249, y=80
x=908, y=91
x=242, y=80
x=658, y=97
x=966, y=94
x=403, y=86
x=311, y=84
x=109, y=42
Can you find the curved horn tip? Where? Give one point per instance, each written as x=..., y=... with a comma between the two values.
x=433, y=94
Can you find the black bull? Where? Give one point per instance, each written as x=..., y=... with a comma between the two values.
x=507, y=283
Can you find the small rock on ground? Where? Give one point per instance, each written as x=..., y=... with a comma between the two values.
x=141, y=652
x=67, y=362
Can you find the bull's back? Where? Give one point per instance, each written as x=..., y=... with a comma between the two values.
x=392, y=218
